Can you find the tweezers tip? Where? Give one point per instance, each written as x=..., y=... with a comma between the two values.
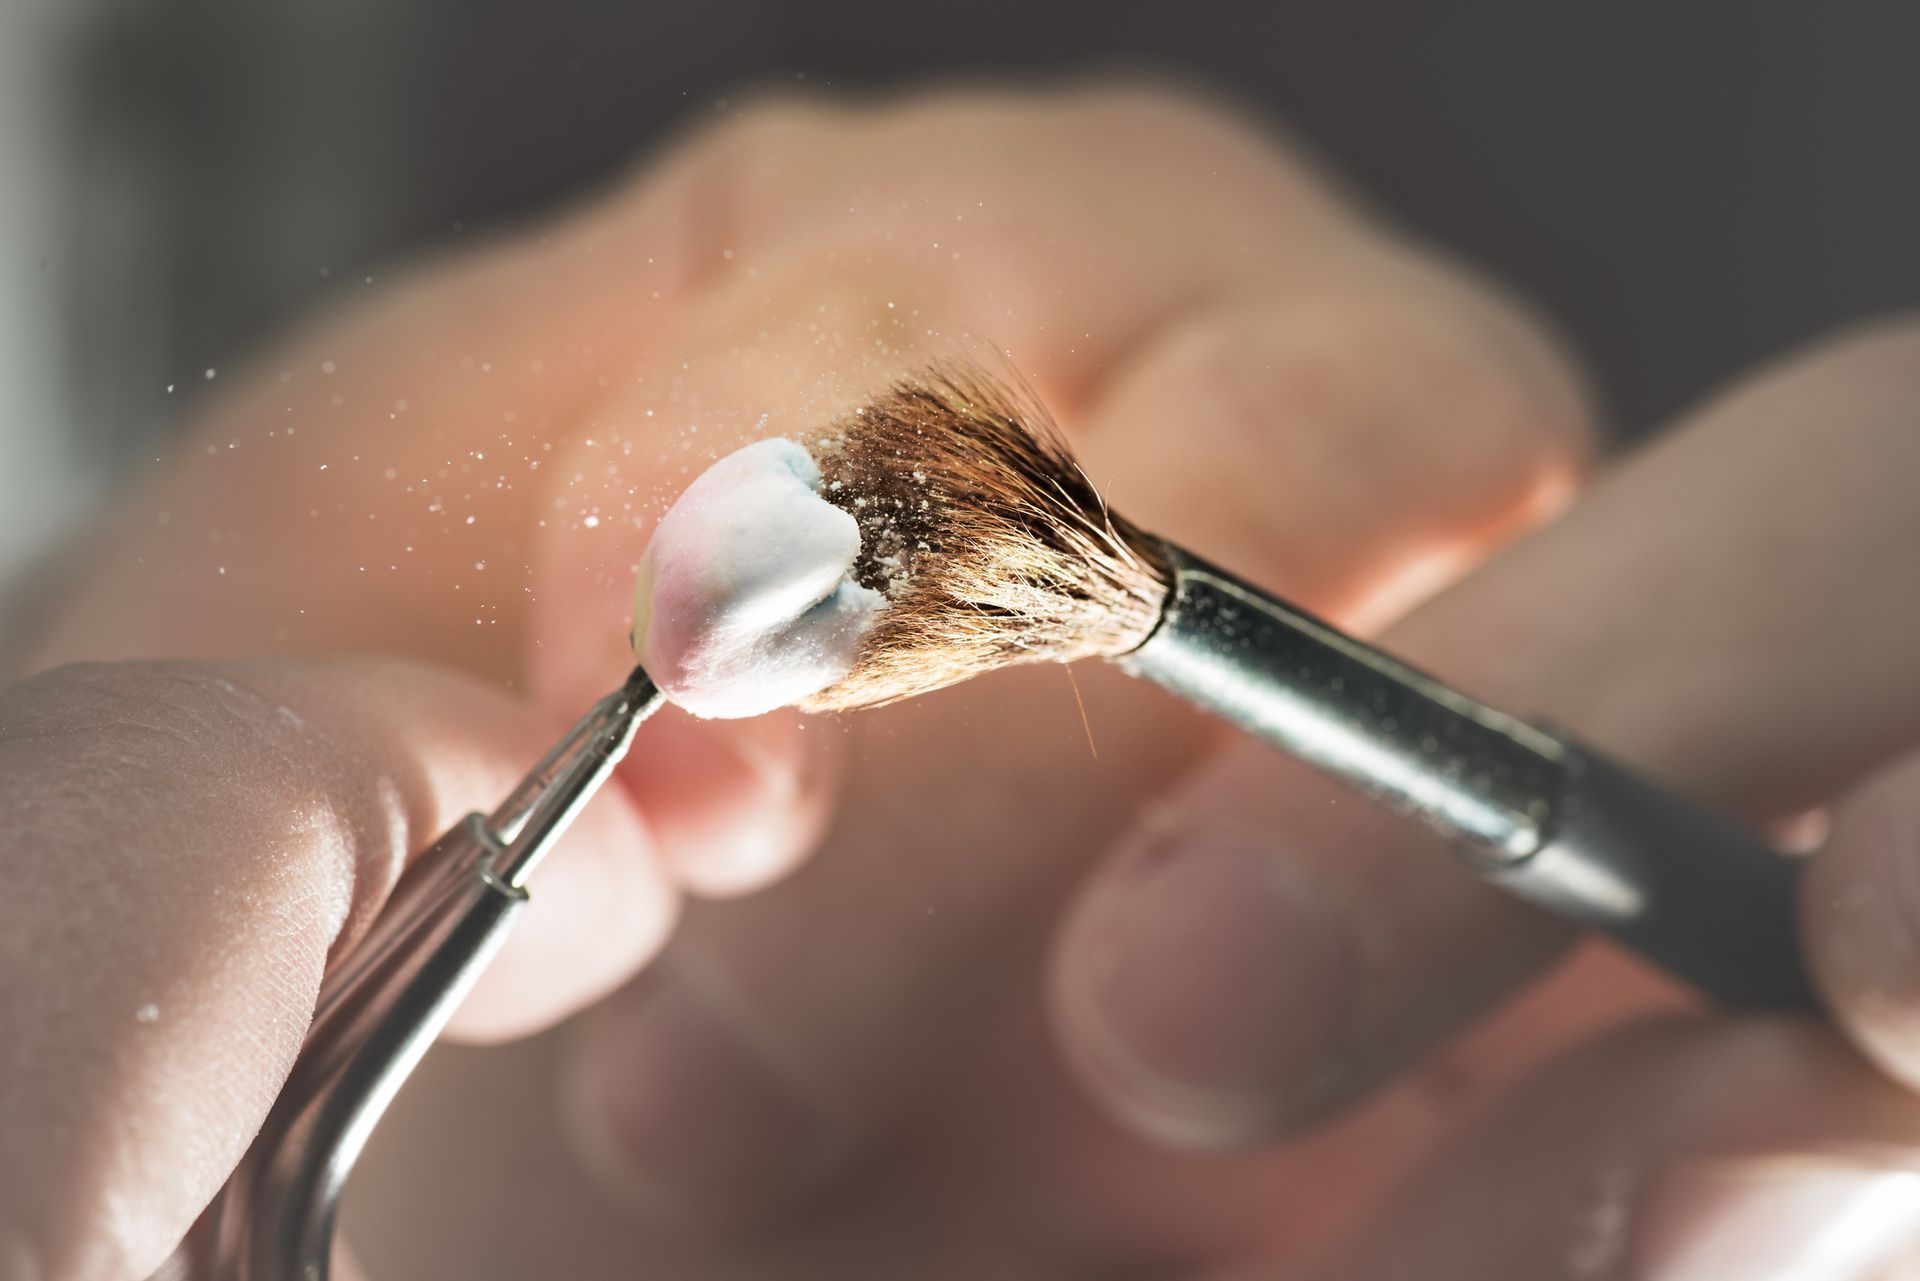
x=640, y=688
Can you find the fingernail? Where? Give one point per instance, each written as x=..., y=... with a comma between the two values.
x=1205, y=986
x=1778, y=1219
x=685, y=1119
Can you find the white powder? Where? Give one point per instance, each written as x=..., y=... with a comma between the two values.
x=746, y=600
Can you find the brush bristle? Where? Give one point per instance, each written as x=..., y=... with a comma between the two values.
x=990, y=543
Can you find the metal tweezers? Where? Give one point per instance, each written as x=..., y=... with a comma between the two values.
x=389, y=998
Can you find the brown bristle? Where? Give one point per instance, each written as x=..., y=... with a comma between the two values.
x=990, y=543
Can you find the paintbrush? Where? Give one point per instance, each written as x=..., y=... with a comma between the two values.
x=991, y=547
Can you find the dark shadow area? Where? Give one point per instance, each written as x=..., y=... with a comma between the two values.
x=1684, y=188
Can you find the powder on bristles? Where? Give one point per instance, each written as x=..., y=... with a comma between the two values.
x=991, y=545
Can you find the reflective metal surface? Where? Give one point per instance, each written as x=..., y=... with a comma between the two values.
x=388, y=1000
x=1547, y=819
x=1473, y=774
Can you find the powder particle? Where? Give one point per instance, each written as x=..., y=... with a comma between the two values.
x=746, y=599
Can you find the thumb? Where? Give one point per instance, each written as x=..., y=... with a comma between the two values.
x=183, y=846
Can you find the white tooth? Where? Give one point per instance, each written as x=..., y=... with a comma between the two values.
x=745, y=599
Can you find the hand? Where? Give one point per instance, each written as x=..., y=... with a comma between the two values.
x=1728, y=611
x=185, y=846
x=465, y=472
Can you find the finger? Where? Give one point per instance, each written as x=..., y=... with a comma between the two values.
x=1212, y=997
x=1355, y=441
x=185, y=846
x=936, y=905
x=1861, y=906
x=1635, y=1160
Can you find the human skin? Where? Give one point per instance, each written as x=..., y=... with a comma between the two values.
x=1008, y=1019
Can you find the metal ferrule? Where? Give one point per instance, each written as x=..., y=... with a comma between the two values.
x=1536, y=813
x=1477, y=776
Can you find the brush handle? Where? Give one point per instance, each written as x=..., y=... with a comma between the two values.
x=1531, y=810
x=1700, y=896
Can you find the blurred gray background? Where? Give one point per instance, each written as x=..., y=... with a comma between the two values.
x=1686, y=187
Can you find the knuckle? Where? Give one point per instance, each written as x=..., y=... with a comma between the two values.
x=1161, y=114
x=770, y=122
x=770, y=128
x=1206, y=142
x=720, y=182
